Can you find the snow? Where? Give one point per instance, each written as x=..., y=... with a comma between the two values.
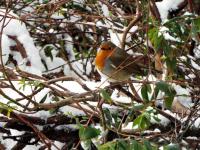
x=197, y=123
x=68, y=126
x=197, y=51
x=53, y=63
x=99, y=140
x=195, y=65
x=96, y=85
x=17, y=28
x=35, y=147
x=133, y=29
x=116, y=37
x=165, y=32
x=72, y=86
x=166, y=6
x=56, y=64
x=8, y=143
x=184, y=95
x=119, y=98
x=105, y=25
x=57, y=15
x=58, y=144
x=69, y=47
x=105, y=10
x=42, y=114
x=16, y=132
x=32, y=147
x=163, y=120
x=71, y=111
x=5, y=48
x=192, y=138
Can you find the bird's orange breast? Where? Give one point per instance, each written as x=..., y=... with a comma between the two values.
x=101, y=57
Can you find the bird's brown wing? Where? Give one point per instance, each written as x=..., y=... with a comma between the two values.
x=128, y=63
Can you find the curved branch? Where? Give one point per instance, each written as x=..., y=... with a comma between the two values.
x=131, y=24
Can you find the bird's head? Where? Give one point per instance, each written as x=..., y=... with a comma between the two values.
x=107, y=46
x=105, y=50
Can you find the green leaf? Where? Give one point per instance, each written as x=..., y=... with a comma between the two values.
x=117, y=120
x=48, y=52
x=169, y=101
x=163, y=86
x=142, y=121
x=126, y=145
x=27, y=1
x=45, y=1
x=121, y=145
x=136, y=146
x=108, y=116
x=9, y=110
x=138, y=107
x=146, y=88
x=147, y=145
x=155, y=94
x=172, y=147
x=106, y=96
x=130, y=116
x=158, y=41
x=169, y=92
x=154, y=38
x=156, y=118
x=115, y=145
x=195, y=26
x=108, y=146
x=171, y=63
x=23, y=84
x=87, y=133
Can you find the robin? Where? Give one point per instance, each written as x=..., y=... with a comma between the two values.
x=114, y=63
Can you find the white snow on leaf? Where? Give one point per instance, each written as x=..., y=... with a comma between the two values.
x=164, y=31
x=167, y=5
x=163, y=120
x=100, y=139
